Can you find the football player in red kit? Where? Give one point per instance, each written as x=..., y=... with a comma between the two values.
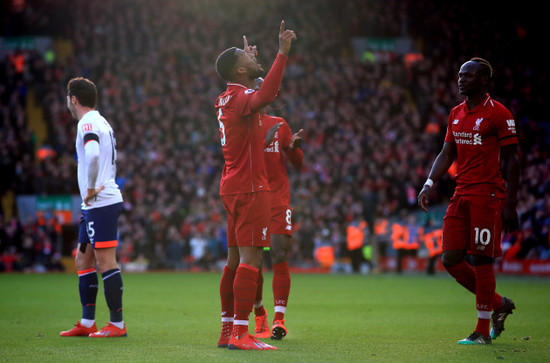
x=281, y=144
x=481, y=135
x=244, y=187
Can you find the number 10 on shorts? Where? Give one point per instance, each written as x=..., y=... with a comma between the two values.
x=482, y=237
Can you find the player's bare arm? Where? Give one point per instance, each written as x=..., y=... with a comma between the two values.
x=440, y=166
x=510, y=172
x=285, y=39
x=268, y=92
x=92, y=193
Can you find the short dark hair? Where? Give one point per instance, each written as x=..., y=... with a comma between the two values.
x=225, y=64
x=486, y=66
x=84, y=90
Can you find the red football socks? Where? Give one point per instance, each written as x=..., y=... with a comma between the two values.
x=259, y=310
x=226, y=293
x=485, y=290
x=465, y=275
x=281, y=289
x=244, y=292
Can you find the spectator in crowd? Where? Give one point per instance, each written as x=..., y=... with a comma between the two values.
x=366, y=123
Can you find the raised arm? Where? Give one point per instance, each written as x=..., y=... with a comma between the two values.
x=272, y=81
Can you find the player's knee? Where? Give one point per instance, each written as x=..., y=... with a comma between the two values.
x=106, y=259
x=482, y=260
x=252, y=256
x=452, y=258
x=279, y=256
x=84, y=258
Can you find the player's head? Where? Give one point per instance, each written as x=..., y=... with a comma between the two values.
x=474, y=76
x=235, y=64
x=81, y=91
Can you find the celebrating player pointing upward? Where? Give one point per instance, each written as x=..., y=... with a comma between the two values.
x=481, y=134
x=244, y=187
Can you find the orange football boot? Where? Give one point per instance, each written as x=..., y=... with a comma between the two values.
x=109, y=331
x=248, y=342
x=261, y=329
x=79, y=330
x=278, y=330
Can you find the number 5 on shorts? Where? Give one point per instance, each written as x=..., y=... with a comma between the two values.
x=90, y=229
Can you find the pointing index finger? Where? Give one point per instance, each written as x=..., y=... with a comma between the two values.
x=245, y=43
x=282, y=29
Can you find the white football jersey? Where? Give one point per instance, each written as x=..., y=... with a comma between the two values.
x=94, y=126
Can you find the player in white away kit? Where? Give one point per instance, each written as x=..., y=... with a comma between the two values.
x=101, y=206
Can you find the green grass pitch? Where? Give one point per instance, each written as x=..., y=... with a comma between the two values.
x=175, y=317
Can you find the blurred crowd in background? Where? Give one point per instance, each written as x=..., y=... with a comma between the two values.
x=373, y=126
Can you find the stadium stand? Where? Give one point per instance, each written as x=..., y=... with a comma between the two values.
x=373, y=122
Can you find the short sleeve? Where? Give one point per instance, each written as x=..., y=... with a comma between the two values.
x=449, y=137
x=505, y=128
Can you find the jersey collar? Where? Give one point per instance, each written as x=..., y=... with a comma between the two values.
x=481, y=106
x=236, y=84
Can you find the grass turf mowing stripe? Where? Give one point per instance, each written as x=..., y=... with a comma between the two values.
x=176, y=317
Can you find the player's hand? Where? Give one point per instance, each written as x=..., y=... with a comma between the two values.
x=423, y=198
x=92, y=193
x=510, y=220
x=296, y=139
x=285, y=39
x=271, y=133
x=248, y=49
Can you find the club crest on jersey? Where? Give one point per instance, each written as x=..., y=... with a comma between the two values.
x=264, y=233
x=249, y=91
x=86, y=127
x=478, y=123
x=455, y=122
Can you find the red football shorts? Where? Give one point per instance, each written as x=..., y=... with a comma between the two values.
x=248, y=217
x=473, y=223
x=281, y=221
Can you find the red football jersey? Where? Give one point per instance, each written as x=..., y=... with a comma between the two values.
x=275, y=161
x=241, y=135
x=478, y=135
